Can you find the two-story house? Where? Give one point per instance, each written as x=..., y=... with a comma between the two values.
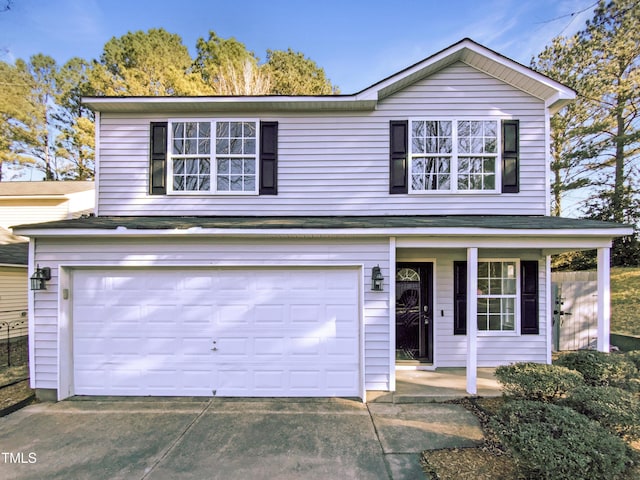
x=310, y=245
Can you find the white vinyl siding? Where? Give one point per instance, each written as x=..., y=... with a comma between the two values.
x=337, y=163
x=193, y=252
x=451, y=350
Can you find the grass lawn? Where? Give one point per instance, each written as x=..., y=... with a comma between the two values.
x=625, y=301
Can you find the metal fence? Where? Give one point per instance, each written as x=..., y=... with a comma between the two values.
x=14, y=340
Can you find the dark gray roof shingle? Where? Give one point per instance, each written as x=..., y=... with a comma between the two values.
x=508, y=222
x=14, y=254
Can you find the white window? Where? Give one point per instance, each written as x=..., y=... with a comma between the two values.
x=213, y=157
x=498, y=290
x=454, y=155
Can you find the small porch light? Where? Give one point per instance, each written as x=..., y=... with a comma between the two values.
x=377, y=279
x=39, y=277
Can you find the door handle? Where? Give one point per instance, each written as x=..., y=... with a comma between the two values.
x=214, y=349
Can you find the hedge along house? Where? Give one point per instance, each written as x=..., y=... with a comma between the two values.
x=309, y=246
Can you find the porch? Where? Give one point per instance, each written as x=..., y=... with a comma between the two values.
x=439, y=385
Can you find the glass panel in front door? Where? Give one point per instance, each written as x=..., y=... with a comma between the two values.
x=412, y=314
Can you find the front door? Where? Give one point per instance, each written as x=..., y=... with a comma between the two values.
x=414, y=311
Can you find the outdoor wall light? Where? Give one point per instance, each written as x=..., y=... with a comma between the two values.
x=39, y=277
x=377, y=279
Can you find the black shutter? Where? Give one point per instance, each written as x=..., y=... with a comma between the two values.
x=459, y=298
x=529, y=297
x=398, y=139
x=158, y=159
x=510, y=156
x=268, y=158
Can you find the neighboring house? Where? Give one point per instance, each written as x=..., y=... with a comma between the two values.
x=13, y=286
x=33, y=202
x=239, y=243
x=30, y=202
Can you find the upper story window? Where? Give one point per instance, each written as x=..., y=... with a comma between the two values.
x=453, y=155
x=213, y=157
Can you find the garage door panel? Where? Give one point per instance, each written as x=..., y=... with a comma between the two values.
x=232, y=348
x=341, y=379
x=269, y=315
x=232, y=315
x=297, y=382
x=268, y=348
x=280, y=332
x=195, y=347
x=303, y=347
x=341, y=349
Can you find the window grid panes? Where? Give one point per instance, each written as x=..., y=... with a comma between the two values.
x=497, y=295
x=451, y=155
x=476, y=173
x=431, y=148
x=191, y=174
x=236, y=174
x=230, y=168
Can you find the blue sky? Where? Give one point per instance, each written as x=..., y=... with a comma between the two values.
x=356, y=42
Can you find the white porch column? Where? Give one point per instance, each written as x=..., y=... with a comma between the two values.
x=548, y=314
x=472, y=320
x=392, y=313
x=604, y=298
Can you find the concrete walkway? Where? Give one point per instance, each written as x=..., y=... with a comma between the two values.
x=440, y=385
x=228, y=439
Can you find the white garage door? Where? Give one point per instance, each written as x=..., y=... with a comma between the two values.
x=235, y=332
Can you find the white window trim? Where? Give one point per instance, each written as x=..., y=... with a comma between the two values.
x=455, y=155
x=212, y=159
x=517, y=318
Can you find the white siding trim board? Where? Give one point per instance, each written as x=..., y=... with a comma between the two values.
x=97, y=155
x=31, y=316
x=577, y=238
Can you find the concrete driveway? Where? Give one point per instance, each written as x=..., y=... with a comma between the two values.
x=227, y=439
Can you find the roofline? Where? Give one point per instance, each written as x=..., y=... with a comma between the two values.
x=123, y=231
x=564, y=91
x=365, y=99
x=46, y=196
x=237, y=103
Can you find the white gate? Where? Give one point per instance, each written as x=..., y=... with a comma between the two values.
x=575, y=319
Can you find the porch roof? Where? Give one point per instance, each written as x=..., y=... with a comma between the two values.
x=382, y=225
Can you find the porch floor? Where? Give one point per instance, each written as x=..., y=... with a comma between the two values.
x=440, y=385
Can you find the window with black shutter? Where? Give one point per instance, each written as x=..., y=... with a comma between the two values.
x=459, y=298
x=398, y=138
x=268, y=158
x=213, y=157
x=158, y=158
x=529, y=319
x=510, y=156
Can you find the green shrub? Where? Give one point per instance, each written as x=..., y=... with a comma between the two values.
x=634, y=357
x=535, y=381
x=553, y=442
x=601, y=369
x=615, y=409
